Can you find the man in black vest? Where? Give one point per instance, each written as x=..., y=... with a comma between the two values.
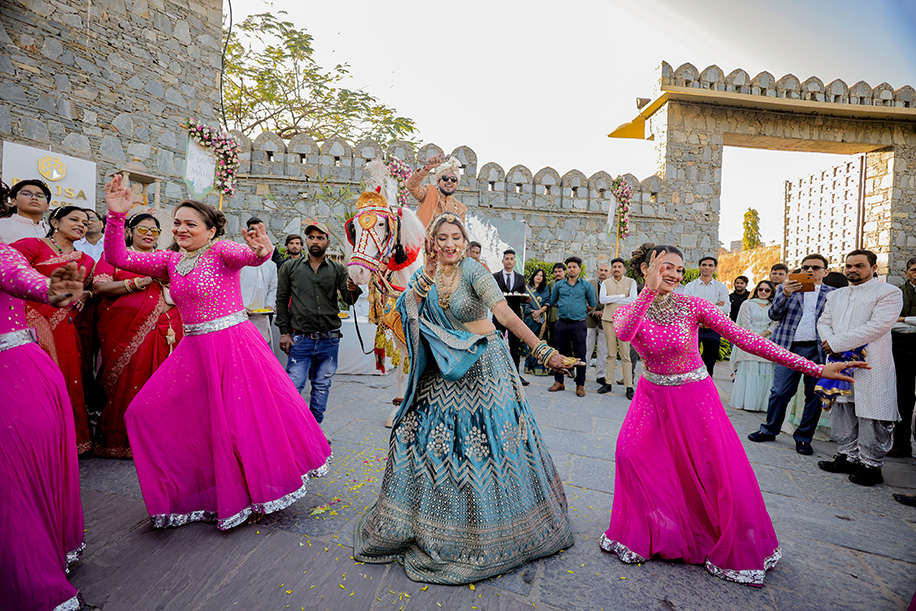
x=510, y=281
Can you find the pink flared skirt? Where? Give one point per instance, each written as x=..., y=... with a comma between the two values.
x=41, y=516
x=684, y=488
x=219, y=432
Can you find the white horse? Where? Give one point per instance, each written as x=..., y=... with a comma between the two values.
x=385, y=243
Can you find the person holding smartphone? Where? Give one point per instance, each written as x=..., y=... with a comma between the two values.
x=796, y=312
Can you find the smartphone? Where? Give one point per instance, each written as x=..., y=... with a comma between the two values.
x=806, y=280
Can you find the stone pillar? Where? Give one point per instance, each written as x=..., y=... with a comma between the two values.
x=689, y=148
x=876, y=220
x=902, y=243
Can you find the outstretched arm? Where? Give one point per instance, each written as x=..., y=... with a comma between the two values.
x=715, y=319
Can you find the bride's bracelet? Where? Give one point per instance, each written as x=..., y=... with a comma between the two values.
x=539, y=349
x=425, y=278
x=420, y=290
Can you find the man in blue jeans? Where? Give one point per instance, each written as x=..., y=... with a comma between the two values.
x=307, y=290
x=796, y=313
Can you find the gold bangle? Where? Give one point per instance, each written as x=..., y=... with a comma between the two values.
x=127, y=286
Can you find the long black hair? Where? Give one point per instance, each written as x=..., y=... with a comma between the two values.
x=533, y=276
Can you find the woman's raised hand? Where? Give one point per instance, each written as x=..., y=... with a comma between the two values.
x=118, y=194
x=432, y=258
x=654, y=271
x=66, y=285
x=257, y=240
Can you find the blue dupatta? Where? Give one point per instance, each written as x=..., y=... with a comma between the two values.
x=433, y=341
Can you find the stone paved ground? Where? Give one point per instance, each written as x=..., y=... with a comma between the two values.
x=845, y=547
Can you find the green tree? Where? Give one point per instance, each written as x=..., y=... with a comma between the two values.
x=751, y=238
x=273, y=83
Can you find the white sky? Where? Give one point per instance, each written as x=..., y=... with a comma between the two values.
x=543, y=82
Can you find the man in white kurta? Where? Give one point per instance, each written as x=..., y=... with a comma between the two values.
x=259, y=290
x=862, y=314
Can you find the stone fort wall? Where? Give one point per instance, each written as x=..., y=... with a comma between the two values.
x=565, y=214
x=110, y=80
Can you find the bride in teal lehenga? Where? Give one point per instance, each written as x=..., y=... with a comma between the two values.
x=469, y=490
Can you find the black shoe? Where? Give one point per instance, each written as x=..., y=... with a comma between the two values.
x=804, y=448
x=601, y=381
x=630, y=394
x=906, y=499
x=605, y=388
x=619, y=382
x=839, y=464
x=761, y=436
x=900, y=453
x=524, y=381
x=867, y=476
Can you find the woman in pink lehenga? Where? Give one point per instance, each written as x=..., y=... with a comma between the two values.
x=41, y=517
x=219, y=432
x=684, y=488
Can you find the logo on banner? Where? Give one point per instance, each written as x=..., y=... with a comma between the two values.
x=71, y=180
x=52, y=168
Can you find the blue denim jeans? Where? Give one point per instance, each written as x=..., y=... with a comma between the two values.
x=785, y=385
x=314, y=360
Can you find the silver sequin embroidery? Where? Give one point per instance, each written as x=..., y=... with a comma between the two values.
x=217, y=324
x=16, y=338
x=677, y=379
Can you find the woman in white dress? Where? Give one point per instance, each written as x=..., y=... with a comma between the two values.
x=754, y=376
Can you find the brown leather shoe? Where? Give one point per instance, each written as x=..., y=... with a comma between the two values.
x=556, y=386
x=580, y=391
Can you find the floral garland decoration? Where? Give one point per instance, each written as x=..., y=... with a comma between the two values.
x=224, y=147
x=400, y=171
x=624, y=193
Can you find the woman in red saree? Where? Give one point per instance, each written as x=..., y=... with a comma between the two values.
x=138, y=328
x=56, y=328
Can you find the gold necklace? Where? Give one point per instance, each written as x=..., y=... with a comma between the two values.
x=446, y=277
x=189, y=261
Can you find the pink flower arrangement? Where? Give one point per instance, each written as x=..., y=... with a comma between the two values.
x=400, y=171
x=226, y=150
x=624, y=193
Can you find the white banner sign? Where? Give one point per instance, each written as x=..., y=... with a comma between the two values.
x=200, y=168
x=71, y=180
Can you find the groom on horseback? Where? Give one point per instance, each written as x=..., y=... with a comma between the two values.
x=434, y=200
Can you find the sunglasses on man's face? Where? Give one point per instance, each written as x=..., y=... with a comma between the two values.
x=812, y=267
x=145, y=230
x=449, y=179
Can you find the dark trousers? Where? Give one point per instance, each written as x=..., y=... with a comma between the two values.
x=904, y=347
x=785, y=385
x=570, y=334
x=515, y=344
x=710, y=340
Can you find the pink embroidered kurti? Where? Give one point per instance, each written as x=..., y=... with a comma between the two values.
x=684, y=488
x=219, y=431
x=41, y=517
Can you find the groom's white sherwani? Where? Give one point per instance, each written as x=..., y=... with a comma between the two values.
x=864, y=314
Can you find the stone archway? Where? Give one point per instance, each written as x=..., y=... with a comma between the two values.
x=694, y=114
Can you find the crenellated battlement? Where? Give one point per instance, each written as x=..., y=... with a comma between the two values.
x=788, y=87
x=565, y=213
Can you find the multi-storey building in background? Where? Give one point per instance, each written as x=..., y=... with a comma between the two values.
x=825, y=213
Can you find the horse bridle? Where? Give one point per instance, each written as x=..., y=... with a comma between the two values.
x=367, y=217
